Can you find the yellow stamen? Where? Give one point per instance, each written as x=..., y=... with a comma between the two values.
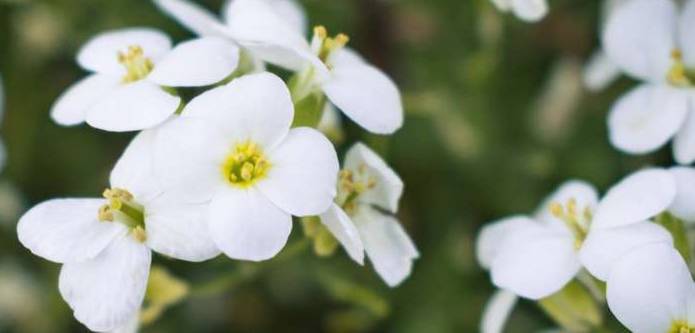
x=139, y=234
x=325, y=46
x=678, y=74
x=245, y=165
x=137, y=65
x=351, y=185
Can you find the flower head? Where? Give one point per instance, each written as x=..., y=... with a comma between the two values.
x=361, y=217
x=662, y=55
x=233, y=147
x=105, y=244
x=538, y=256
x=131, y=70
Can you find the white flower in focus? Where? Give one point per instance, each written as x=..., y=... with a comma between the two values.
x=361, y=220
x=527, y=10
x=572, y=230
x=131, y=70
x=662, y=55
x=233, y=147
x=651, y=290
x=363, y=92
x=105, y=244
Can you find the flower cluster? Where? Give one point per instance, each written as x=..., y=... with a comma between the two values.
x=630, y=249
x=226, y=171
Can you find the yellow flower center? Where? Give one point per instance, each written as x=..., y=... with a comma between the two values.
x=121, y=207
x=246, y=165
x=137, y=65
x=577, y=222
x=352, y=184
x=680, y=326
x=679, y=75
x=324, y=46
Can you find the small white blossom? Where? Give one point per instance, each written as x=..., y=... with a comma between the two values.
x=527, y=10
x=233, y=147
x=361, y=220
x=131, y=68
x=653, y=41
x=601, y=71
x=105, y=244
x=651, y=290
x=572, y=230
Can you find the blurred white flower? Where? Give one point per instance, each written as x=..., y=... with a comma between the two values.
x=683, y=206
x=527, y=10
x=233, y=147
x=600, y=71
x=132, y=68
x=361, y=220
x=542, y=254
x=497, y=311
x=652, y=290
x=662, y=54
x=364, y=93
x=104, y=245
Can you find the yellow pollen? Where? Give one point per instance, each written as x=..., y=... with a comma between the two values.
x=577, y=223
x=245, y=165
x=680, y=326
x=137, y=65
x=121, y=207
x=352, y=184
x=678, y=74
x=324, y=46
x=139, y=234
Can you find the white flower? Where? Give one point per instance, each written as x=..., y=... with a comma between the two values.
x=361, y=220
x=233, y=147
x=572, y=230
x=654, y=42
x=364, y=93
x=104, y=244
x=497, y=311
x=682, y=206
x=601, y=71
x=651, y=291
x=527, y=10
x=131, y=68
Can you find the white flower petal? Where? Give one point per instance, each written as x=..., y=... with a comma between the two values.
x=107, y=291
x=583, y=193
x=638, y=197
x=131, y=326
x=341, y=226
x=647, y=117
x=683, y=206
x=257, y=26
x=388, y=186
x=684, y=142
x=535, y=262
x=292, y=13
x=134, y=171
x=493, y=235
x=497, y=311
x=199, y=62
x=188, y=159
x=367, y=96
x=100, y=54
x=71, y=107
x=642, y=50
x=179, y=230
x=650, y=288
x=195, y=18
x=303, y=173
x=133, y=107
x=604, y=247
x=345, y=57
x=388, y=246
x=245, y=225
x=687, y=37
x=67, y=230
x=255, y=107
x=600, y=72
x=530, y=10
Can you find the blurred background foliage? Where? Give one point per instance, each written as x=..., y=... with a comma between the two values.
x=497, y=116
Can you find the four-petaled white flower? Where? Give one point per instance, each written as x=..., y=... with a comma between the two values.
x=233, y=147
x=361, y=220
x=651, y=290
x=105, y=244
x=527, y=10
x=364, y=93
x=540, y=255
x=654, y=41
x=132, y=72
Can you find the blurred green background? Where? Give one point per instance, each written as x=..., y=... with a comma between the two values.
x=497, y=116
